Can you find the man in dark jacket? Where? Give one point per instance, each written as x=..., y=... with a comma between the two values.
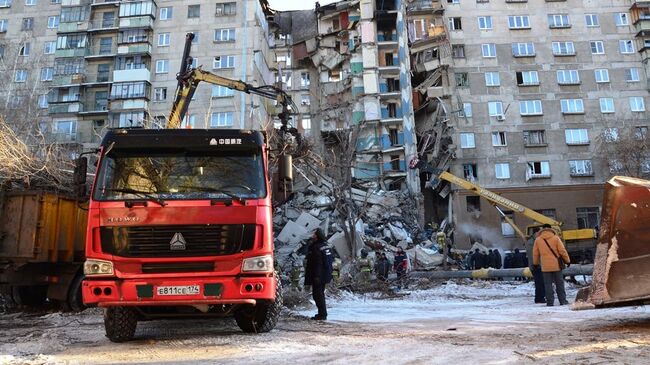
x=477, y=260
x=382, y=267
x=497, y=259
x=318, y=271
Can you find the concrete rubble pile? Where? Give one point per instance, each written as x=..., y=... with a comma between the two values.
x=388, y=222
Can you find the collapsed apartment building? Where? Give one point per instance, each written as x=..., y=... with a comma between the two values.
x=379, y=67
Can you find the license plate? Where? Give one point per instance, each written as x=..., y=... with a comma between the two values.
x=178, y=290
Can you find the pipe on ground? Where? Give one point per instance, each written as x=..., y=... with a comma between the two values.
x=496, y=273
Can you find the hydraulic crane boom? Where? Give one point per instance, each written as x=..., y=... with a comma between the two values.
x=189, y=78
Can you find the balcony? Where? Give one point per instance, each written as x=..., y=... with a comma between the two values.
x=63, y=80
x=70, y=52
x=141, y=74
x=102, y=25
x=98, y=78
x=105, y=2
x=642, y=27
x=137, y=48
x=74, y=107
x=74, y=2
x=95, y=107
x=73, y=27
x=101, y=52
x=137, y=22
x=130, y=104
x=424, y=6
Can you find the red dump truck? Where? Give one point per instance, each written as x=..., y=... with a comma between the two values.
x=179, y=224
x=621, y=274
x=42, y=237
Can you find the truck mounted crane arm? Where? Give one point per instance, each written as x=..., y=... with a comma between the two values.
x=492, y=197
x=189, y=78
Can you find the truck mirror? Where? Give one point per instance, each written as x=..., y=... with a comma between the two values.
x=285, y=168
x=80, y=170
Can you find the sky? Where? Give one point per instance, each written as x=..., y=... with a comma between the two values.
x=296, y=4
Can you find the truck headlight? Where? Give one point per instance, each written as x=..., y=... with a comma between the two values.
x=98, y=268
x=258, y=264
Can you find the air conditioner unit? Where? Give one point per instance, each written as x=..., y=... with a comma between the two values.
x=501, y=117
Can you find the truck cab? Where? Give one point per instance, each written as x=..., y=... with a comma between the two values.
x=179, y=223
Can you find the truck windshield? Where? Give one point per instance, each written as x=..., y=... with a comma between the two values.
x=181, y=175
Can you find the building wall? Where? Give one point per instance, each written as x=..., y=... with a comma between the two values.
x=556, y=150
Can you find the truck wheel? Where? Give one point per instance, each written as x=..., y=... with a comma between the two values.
x=74, y=300
x=30, y=296
x=263, y=316
x=120, y=323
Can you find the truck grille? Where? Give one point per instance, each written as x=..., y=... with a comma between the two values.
x=176, y=267
x=178, y=241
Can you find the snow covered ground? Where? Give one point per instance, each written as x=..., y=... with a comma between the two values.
x=466, y=322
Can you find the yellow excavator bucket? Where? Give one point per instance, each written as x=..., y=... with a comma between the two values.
x=621, y=274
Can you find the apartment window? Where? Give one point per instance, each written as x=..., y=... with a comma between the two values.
x=641, y=133
x=66, y=130
x=163, y=39
x=25, y=49
x=127, y=90
x=537, y=169
x=219, y=91
x=530, y=107
x=469, y=171
x=73, y=14
x=519, y=22
x=563, y=49
x=622, y=19
x=489, y=50
x=166, y=13
x=304, y=79
x=42, y=101
x=162, y=66
x=53, y=22
x=20, y=76
x=637, y=104
x=492, y=79
x=499, y=139
x=160, y=94
x=473, y=203
x=458, y=51
x=523, y=49
x=527, y=78
x=572, y=106
x=610, y=135
x=606, y=105
x=601, y=75
x=506, y=229
x=591, y=20
x=568, y=77
x=47, y=73
x=632, y=75
x=306, y=123
x=130, y=119
x=224, y=35
x=71, y=41
x=467, y=140
x=28, y=24
x=226, y=9
x=485, y=22
x=30, y=2
x=626, y=46
x=453, y=1
x=467, y=110
x=558, y=21
x=502, y=170
x=597, y=47
x=193, y=11
x=462, y=80
x=49, y=47
x=221, y=119
x=454, y=24
x=588, y=217
x=576, y=136
x=580, y=168
x=495, y=109
x=15, y=101
x=223, y=62
x=534, y=138
x=3, y=25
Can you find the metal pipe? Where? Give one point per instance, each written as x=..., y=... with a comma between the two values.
x=496, y=273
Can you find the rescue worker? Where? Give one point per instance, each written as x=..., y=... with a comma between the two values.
x=336, y=271
x=538, y=278
x=401, y=263
x=547, y=250
x=318, y=271
x=296, y=273
x=364, y=265
x=382, y=267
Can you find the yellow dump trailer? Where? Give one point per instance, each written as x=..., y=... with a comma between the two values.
x=42, y=239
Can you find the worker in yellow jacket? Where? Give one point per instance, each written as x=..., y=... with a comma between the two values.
x=549, y=251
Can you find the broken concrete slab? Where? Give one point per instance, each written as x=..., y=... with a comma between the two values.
x=308, y=222
x=424, y=258
x=293, y=233
x=340, y=244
